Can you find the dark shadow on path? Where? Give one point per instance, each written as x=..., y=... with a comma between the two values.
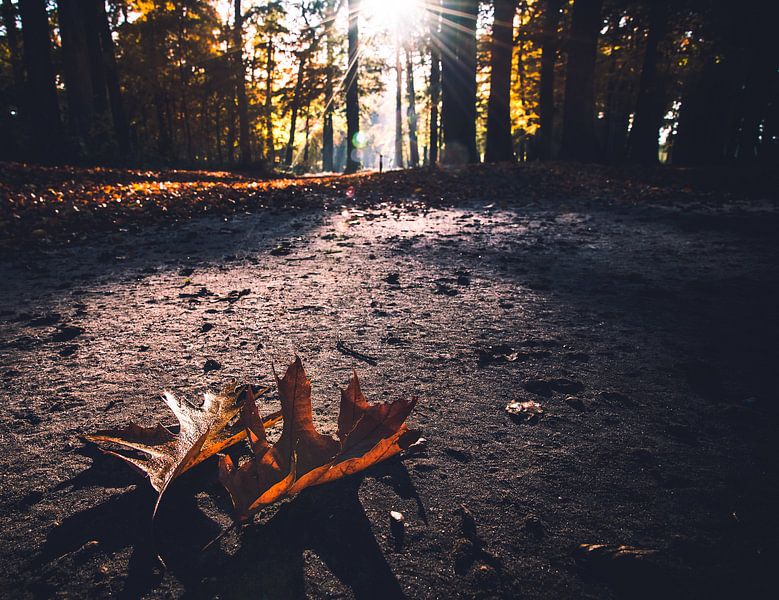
x=270, y=558
x=331, y=522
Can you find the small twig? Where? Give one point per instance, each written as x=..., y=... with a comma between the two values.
x=344, y=349
x=220, y=536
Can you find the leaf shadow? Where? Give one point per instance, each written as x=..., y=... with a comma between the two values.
x=266, y=559
x=329, y=521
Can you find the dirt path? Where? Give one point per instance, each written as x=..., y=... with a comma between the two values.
x=647, y=334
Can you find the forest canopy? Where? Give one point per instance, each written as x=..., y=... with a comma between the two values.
x=331, y=85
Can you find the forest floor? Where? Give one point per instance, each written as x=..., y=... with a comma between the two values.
x=638, y=308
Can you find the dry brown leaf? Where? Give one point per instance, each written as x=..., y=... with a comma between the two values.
x=204, y=431
x=302, y=457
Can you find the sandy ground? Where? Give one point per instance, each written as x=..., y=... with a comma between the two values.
x=648, y=334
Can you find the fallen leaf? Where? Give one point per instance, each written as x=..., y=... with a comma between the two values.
x=204, y=431
x=302, y=457
x=608, y=552
x=528, y=411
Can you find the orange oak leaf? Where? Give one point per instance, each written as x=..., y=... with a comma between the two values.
x=302, y=457
x=203, y=431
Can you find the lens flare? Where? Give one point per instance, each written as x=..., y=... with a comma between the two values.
x=359, y=139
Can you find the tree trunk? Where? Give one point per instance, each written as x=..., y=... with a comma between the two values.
x=270, y=143
x=579, y=141
x=183, y=70
x=412, y=111
x=163, y=133
x=435, y=83
x=95, y=53
x=753, y=134
x=13, y=103
x=650, y=106
x=218, y=132
x=75, y=63
x=398, y=106
x=12, y=38
x=152, y=57
x=352, y=92
x=118, y=114
x=546, y=106
x=240, y=87
x=43, y=114
x=458, y=80
x=295, y=106
x=308, y=131
x=499, y=146
x=701, y=136
x=230, y=141
x=327, y=128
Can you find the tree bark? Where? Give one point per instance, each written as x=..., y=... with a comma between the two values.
x=546, y=104
x=75, y=63
x=118, y=114
x=43, y=116
x=327, y=128
x=352, y=92
x=230, y=141
x=95, y=53
x=579, y=141
x=650, y=106
x=308, y=131
x=762, y=61
x=701, y=132
x=435, y=82
x=398, y=106
x=240, y=87
x=149, y=46
x=295, y=107
x=218, y=132
x=12, y=37
x=458, y=80
x=499, y=147
x=412, y=111
x=270, y=65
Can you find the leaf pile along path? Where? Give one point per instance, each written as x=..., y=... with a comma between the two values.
x=45, y=205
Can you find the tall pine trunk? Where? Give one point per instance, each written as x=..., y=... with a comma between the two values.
x=352, y=92
x=230, y=141
x=499, y=146
x=12, y=39
x=650, y=106
x=218, y=131
x=270, y=65
x=327, y=128
x=412, y=111
x=702, y=133
x=308, y=132
x=435, y=82
x=398, y=106
x=43, y=115
x=240, y=87
x=458, y=80
x=116, y=104
x=759, y=90
x=579, y=142
x=546, y=104
x=295, y=106
x=95, y=53
x=75, y=63
x=13, y=106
